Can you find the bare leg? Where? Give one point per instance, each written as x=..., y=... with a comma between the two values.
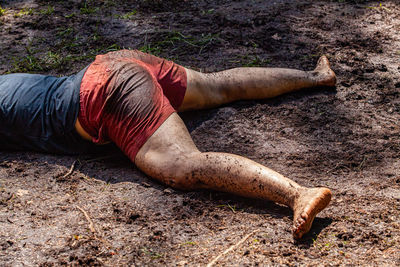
x=207, y=90
x=178, y=163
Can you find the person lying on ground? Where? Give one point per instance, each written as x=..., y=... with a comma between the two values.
x=132, y=98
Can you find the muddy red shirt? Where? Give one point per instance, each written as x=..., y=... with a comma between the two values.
x=126, y=95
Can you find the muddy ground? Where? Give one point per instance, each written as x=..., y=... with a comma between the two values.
x=106, y=212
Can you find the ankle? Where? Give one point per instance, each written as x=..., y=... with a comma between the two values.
x=300, y=193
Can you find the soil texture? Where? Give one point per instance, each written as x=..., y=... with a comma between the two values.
x=99, y=210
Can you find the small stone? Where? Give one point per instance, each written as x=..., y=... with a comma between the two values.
x=345, y=84
x=168, y=191
x=382, y=68
x=369, y=69
x=21, y=192
x=146, y=184
x=182, y=263
x=276, y=37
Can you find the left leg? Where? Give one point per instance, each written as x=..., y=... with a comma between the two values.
x=206, y=90
x=170, y=156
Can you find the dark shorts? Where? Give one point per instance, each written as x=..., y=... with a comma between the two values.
x=38, y=112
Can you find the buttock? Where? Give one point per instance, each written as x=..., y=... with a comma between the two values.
x=121, y=100
x=171, y=76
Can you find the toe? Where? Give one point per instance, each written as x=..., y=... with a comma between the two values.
x=298, y=225
x=299, y=222
x=304, y=216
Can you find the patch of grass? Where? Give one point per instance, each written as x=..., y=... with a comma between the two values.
x=127, y=15
x=153, y=254
x=62, y=32
x=207, y=12
x=68, y=16
x=176, y=40
x=189, y=243
x=29, y=63
x=324, y=242
x=2, y=11
x=257, y=62
x=250, y=61
x=48, y=11
x=35, y=62
x=195, y=41
x=69, y=50
x=53, y=60
x=109, y=3
x=30, y=11
x=380, y=6
x=113, y=47
x=253, y=44
x=70, y=41
x=232, y=208
x=96, y=36
x=103, y=49
x=70, y=44
x=87, y=10
x=151, y=49
x=24, y=12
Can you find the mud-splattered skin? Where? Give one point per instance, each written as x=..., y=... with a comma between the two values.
x=171, y=156
x=214, y=89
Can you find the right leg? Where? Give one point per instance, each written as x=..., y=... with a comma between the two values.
x=206, y=90
x=170, y=156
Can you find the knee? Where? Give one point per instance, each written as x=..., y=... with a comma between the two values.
x=175, y=170
x=181, y=173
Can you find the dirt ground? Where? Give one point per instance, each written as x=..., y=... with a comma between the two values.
x=106, y=212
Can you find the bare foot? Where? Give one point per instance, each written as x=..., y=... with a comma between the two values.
x=324, y=74
x=306, y=207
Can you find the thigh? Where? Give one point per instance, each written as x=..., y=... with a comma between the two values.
x=202, y=91
x=165, y=152
x=194, y=95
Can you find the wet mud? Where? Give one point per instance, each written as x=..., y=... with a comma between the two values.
x=105, y=212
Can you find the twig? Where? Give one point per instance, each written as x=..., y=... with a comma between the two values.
x=71, y=170
x=230, y=249
x=362, y=163
x=96, y=234
x=91, y=225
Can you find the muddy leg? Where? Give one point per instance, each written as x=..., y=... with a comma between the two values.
x=207, y=90
x=177, y=162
